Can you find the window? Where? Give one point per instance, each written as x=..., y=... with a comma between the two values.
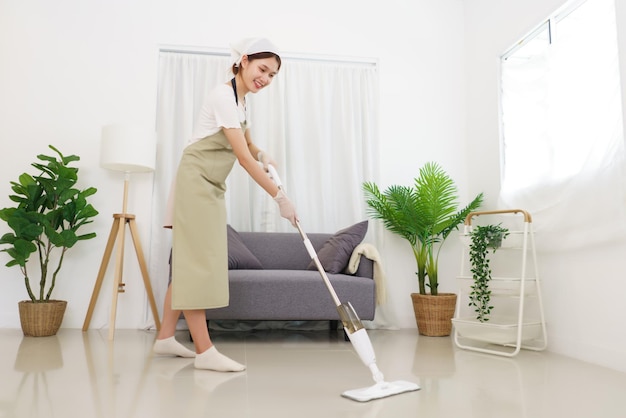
x=562, y=132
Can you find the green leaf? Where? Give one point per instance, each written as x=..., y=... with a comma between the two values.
x=26, y=179
x=68, y=194
x=65, y=238
x=87, y=212
x=8, y=238
x=24, y=247
x=86, y=236
x=6, y=213
x=68, y=238
x=17, y=257
x=88, y=192
x=13, y=263
x=66, y=159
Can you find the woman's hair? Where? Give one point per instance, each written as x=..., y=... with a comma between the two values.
x=259, y=55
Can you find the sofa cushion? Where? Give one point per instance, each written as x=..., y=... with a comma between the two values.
x=335, y=253
x=239, y=256
x=293, y=295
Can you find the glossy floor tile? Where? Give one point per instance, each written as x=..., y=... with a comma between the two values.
x=292, y=374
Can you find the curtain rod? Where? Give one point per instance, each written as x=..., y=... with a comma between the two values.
x=288, y=56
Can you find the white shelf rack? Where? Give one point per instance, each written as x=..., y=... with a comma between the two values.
x=517, y=320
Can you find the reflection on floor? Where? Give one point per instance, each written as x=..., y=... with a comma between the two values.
x=292, y=374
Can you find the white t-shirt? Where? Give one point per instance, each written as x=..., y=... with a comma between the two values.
x=219, y=111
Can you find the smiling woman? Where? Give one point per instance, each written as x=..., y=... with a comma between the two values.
x=318, y=119
x=322, y=117
x=198, y=217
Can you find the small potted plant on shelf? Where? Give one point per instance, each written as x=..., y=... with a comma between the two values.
x=424, y=214
x=48, y=213
x=482, y=239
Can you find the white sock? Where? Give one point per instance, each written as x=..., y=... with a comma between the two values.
x=169, y=346
x=212, y=359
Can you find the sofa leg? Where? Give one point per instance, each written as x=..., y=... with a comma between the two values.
x=334, y=326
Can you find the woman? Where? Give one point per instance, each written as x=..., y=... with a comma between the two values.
x=199, y=246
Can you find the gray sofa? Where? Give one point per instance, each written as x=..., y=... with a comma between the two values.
x=285, y=287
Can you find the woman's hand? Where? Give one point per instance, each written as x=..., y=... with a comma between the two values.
x=287, y=209
x=265, y=159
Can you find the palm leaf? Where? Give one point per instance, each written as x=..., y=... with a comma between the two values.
x=424, y=214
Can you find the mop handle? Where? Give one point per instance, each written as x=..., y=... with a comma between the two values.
x=274, y=176
x=318, y=264
x=307, y=243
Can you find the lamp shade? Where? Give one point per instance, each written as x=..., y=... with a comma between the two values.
x=128, y=148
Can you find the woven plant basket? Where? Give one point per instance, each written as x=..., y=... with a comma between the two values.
x=433, y=314
x=41, y=319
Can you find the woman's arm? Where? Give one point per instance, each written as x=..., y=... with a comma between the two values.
x=254, y=150
x=245, y=151
x=242, y=146
x=260, y=155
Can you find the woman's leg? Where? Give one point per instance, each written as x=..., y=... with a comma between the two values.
x=166, y=342
x=170, y=317
x=207, y=356
x=196, y=321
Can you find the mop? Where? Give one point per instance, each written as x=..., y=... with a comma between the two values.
x=356, y=332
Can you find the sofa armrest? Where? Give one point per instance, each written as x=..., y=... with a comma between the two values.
x=366, y=268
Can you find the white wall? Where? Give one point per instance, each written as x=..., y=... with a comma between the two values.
x=70, y=67
x=582, y=289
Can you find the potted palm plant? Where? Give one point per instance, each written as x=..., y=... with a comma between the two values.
x=49, y=211
x=424, y=214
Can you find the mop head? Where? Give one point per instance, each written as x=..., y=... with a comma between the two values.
x=380, y=390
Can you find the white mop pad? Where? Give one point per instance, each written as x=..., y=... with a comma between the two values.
x=380, y=390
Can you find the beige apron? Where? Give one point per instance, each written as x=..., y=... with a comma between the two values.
x=199, y=241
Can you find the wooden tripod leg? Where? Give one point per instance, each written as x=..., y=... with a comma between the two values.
x=119, y=268
x=103, y=268
x=144, y=271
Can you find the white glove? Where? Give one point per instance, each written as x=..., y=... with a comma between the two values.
x=265, y=159
x=287, y=209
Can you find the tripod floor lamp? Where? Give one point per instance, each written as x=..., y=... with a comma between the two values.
x=129, y=149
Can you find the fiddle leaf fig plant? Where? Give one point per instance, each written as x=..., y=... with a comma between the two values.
x=483, y=238
x=46, y=219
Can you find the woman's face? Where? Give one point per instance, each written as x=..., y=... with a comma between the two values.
x=258, y=73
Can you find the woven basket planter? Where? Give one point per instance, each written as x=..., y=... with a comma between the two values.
x=433, y=314
x=41, y=319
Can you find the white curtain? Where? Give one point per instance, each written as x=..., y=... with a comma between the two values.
x=318, y=119
x=563, y=130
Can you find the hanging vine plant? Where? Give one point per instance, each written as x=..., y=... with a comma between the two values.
x=483, y=238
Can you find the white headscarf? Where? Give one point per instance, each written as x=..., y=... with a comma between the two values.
x=250, y=46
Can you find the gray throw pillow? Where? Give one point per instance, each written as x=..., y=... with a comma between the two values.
x=239, y=256
x=336, y=252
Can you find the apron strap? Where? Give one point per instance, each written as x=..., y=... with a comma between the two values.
x=234, y=84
